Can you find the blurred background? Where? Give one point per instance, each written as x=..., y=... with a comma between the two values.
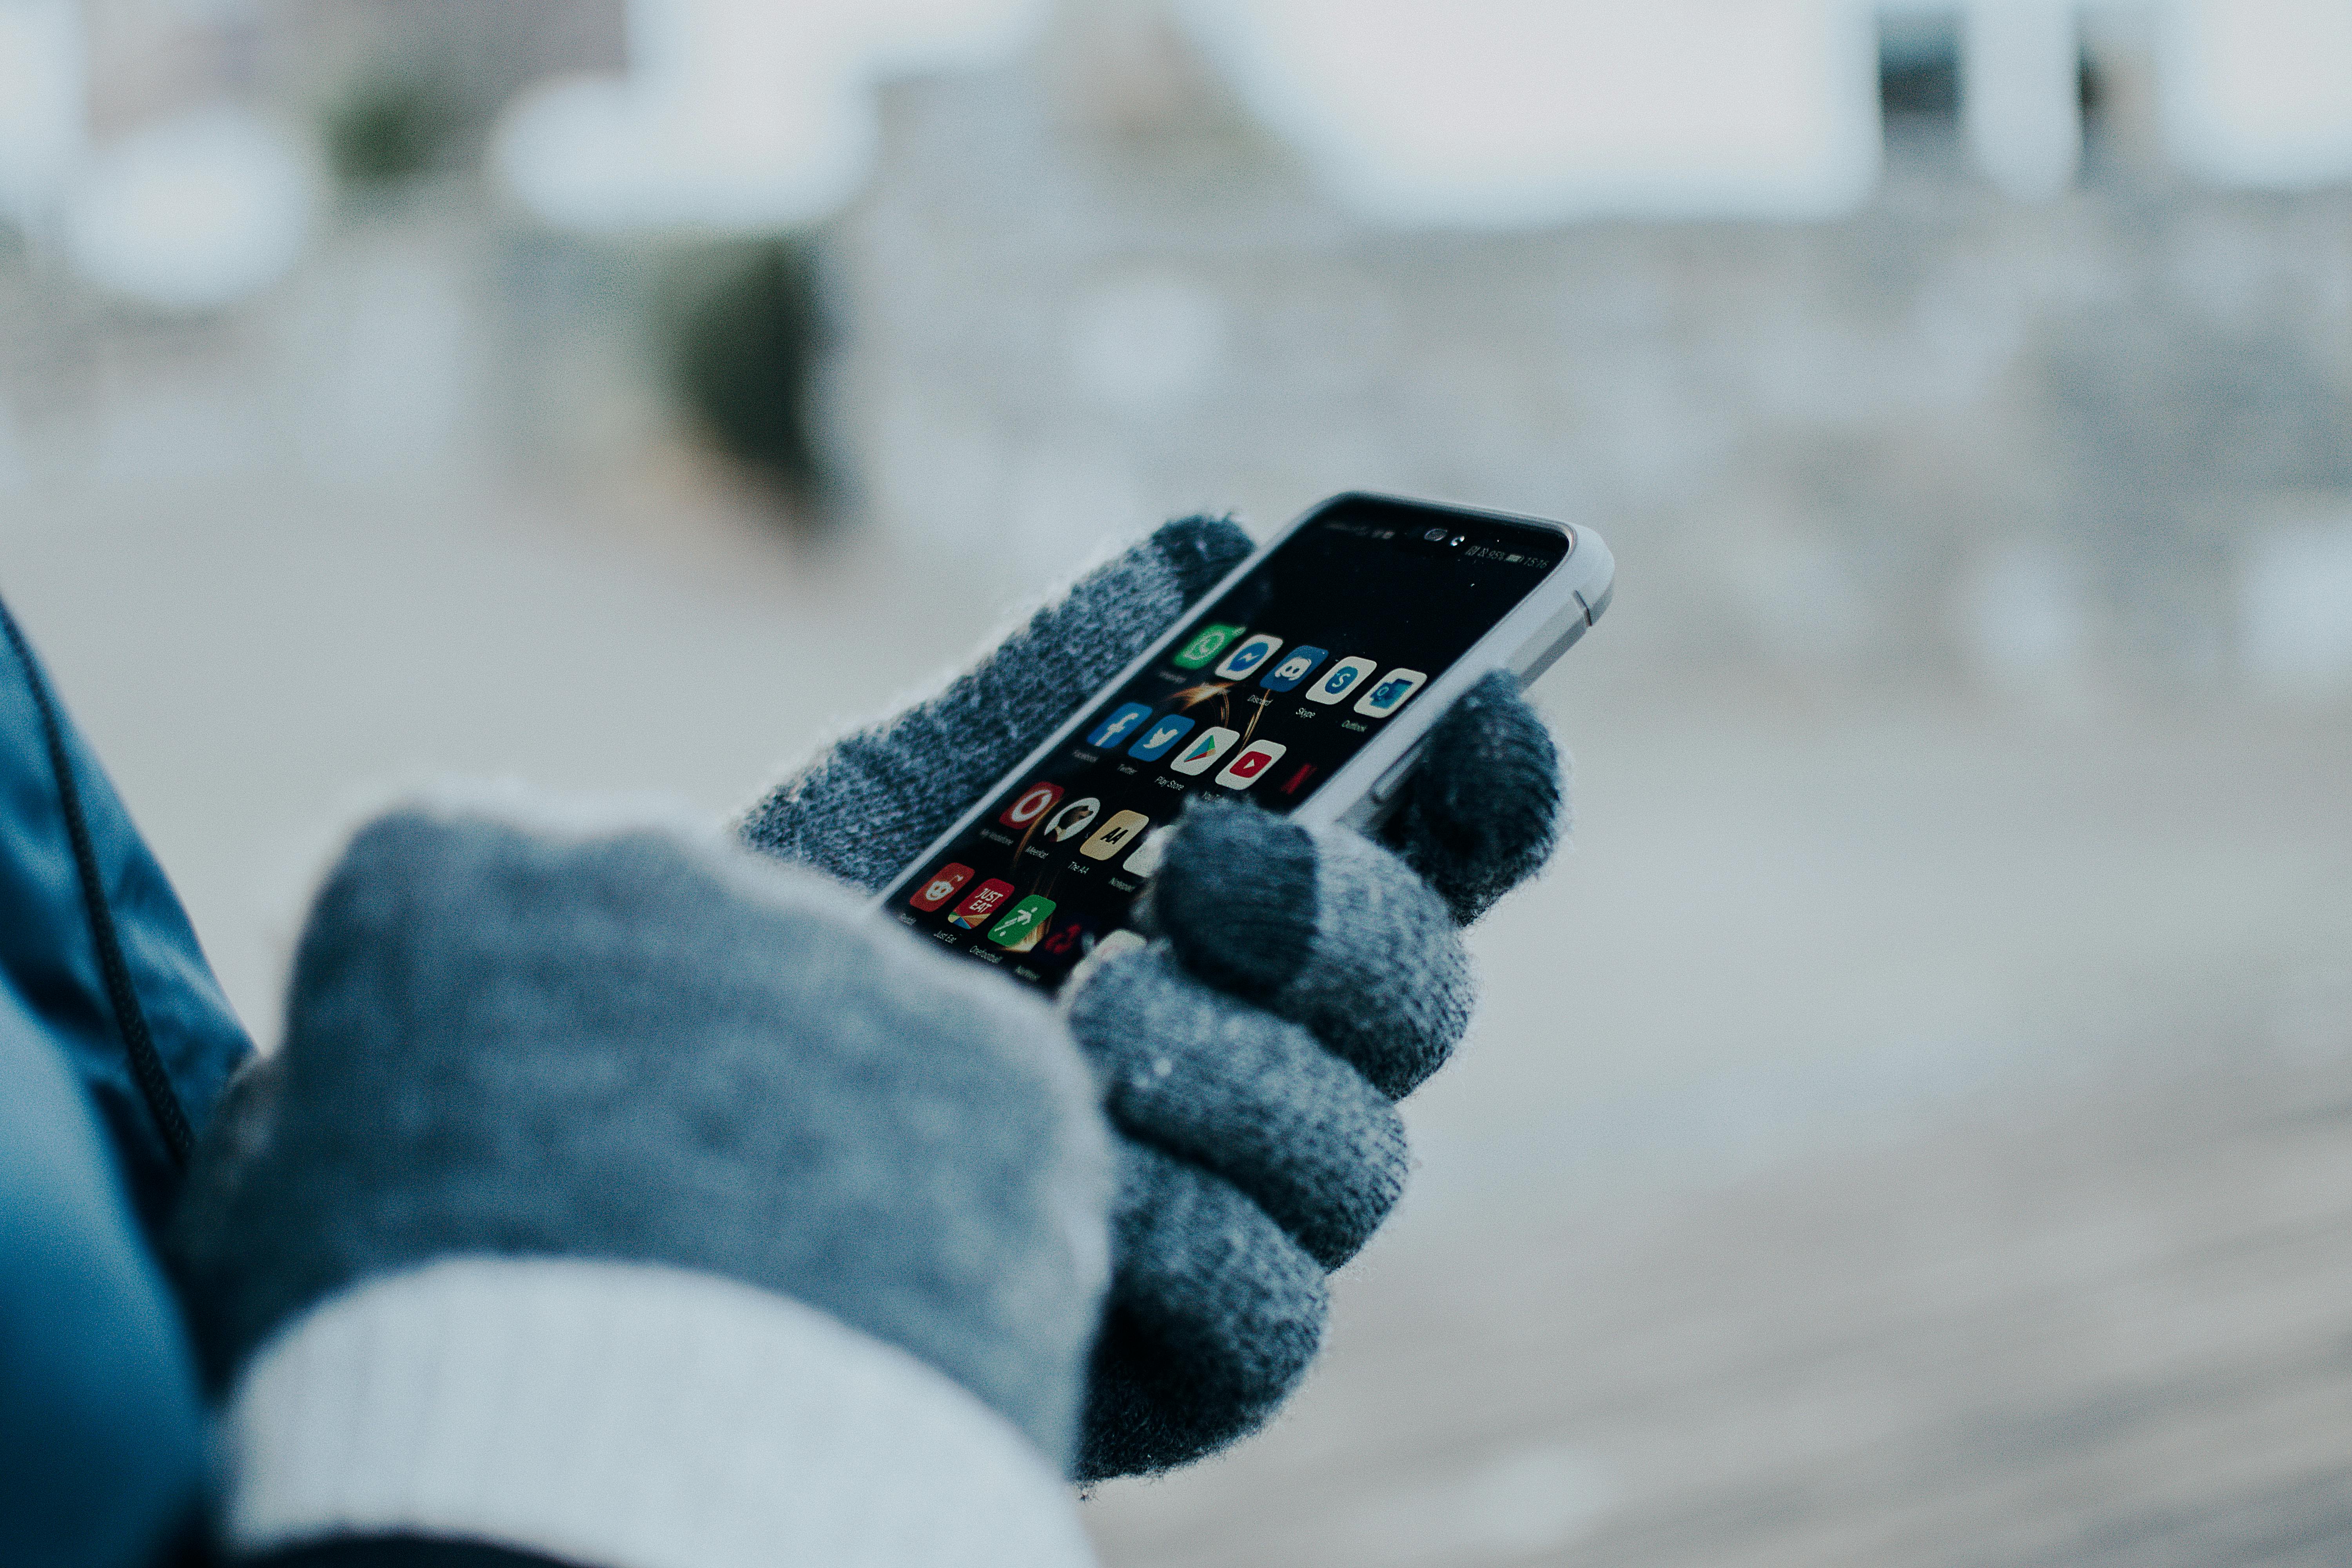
x=1915, y=1124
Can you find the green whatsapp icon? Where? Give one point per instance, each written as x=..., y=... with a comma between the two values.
x=1206, y=645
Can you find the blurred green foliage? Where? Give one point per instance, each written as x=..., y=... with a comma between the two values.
x=746, y=327
x=388, y=129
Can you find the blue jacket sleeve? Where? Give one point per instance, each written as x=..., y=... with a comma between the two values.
x=115, y=1042
x=96, y=947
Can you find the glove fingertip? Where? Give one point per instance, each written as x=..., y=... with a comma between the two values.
x=1236, y=898
x=1486, y=809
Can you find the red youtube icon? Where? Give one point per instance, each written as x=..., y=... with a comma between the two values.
x=1256, y=758
x=1030, y=804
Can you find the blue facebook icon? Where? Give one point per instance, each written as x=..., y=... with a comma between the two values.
x=1119, y=725
x=1158, y=738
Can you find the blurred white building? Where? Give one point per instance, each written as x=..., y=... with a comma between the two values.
x=1095, y=283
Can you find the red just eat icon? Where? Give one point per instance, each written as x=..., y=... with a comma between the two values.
x=985, y=898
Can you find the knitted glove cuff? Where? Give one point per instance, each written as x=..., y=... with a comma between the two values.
x=628, y=1415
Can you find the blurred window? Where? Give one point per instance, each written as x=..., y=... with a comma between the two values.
x=1919, y=69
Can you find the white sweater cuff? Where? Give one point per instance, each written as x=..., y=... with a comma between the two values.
x=628, y=1415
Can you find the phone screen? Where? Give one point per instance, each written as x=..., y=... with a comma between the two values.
x=1269, y=689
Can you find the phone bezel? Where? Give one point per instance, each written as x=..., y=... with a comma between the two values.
x=1526, y=641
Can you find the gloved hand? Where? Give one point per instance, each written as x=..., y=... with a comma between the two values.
x=1296, y=988
x=630, y=1199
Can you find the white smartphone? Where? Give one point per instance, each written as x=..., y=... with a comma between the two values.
x=1306, y=682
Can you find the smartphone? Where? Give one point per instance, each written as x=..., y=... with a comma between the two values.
x=1305, y=682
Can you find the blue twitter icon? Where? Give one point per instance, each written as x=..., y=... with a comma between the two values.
x=1160, y=737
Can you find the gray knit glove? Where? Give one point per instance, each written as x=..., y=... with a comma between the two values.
x=1296, y=987
x=521, y=1231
